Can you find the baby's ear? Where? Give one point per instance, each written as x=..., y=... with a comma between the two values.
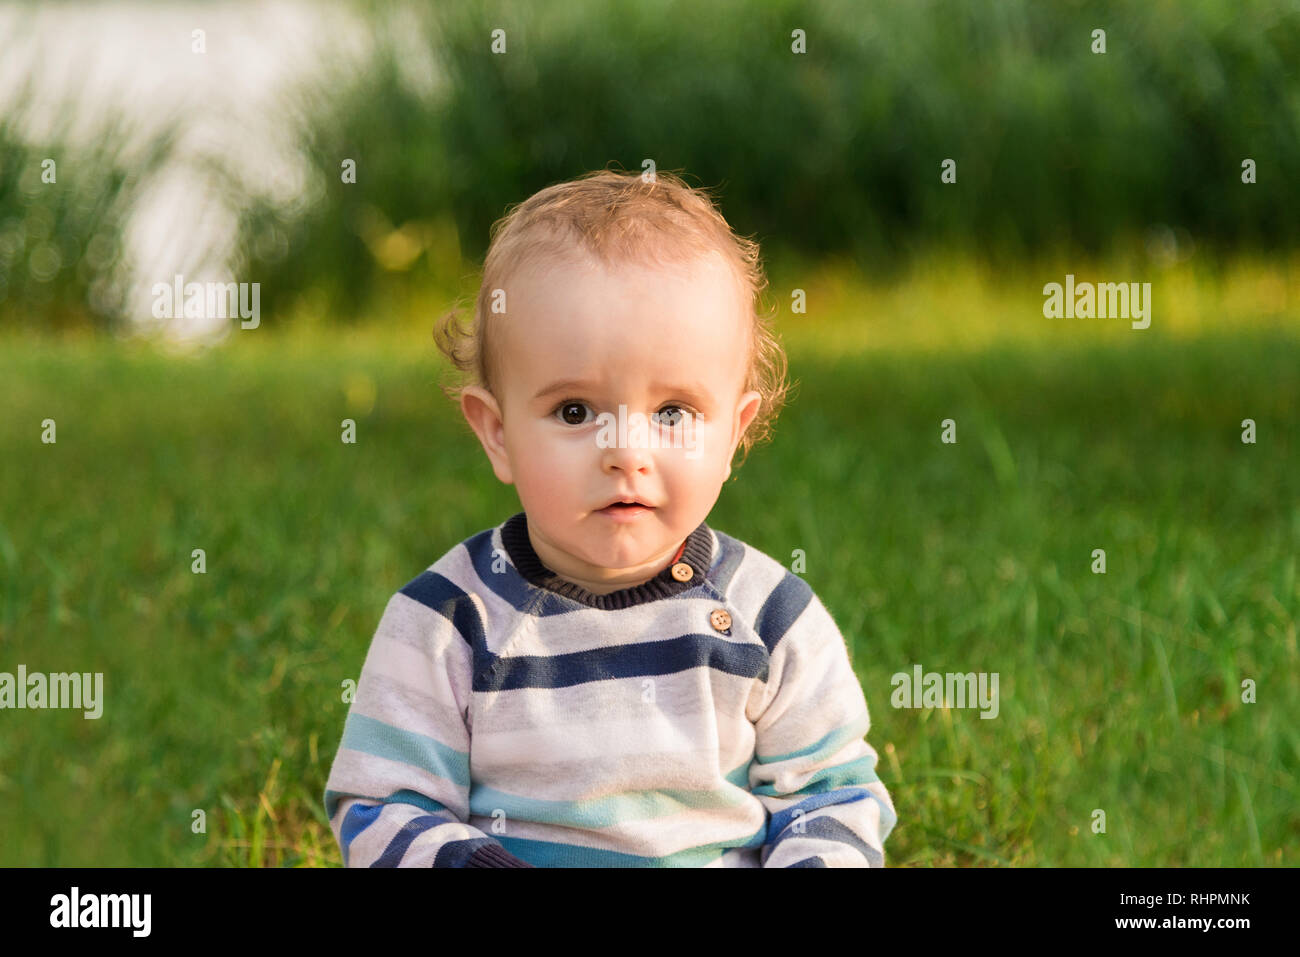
x=483, y=414
x=746, y=409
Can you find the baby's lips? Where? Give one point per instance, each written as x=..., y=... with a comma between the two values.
x=626, y=500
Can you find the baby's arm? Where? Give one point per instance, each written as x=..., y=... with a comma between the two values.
x=398, y=791
x=812, y=769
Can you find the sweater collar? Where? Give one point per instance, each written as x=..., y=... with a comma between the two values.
x=697, y=552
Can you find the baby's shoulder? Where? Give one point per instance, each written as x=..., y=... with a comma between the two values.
x=766, y=594
x=457, y=574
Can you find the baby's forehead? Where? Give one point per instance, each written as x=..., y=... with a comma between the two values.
x=580, y=263
x=683, y=321
x=641, y=305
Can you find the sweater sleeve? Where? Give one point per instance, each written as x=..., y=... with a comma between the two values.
x=398, y=790
x=813, y=769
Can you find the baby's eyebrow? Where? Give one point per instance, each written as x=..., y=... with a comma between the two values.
x=564, y=385
x=692, y=393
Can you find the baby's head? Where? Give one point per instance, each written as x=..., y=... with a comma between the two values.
x=616, y=353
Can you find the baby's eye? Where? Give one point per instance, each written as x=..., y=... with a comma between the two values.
x=572, y=413
x=669, y=415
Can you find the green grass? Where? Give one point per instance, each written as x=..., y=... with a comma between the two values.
x=1118, y=691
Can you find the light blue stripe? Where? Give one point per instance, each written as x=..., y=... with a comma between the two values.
x=829, y=743
x=422, y=801
x=374, y=737
x=740, y=776
x=551, y=854
x=604, y=811
x=861, y=771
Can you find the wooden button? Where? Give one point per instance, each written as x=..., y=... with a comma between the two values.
x=720, y=619
x=683, y=572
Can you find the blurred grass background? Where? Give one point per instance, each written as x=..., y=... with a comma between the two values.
x=1119, y=691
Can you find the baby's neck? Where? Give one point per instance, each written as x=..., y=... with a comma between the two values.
x=604, y=586
x=607, y=586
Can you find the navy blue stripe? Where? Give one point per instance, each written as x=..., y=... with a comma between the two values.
x=808, y=862
x=510, y=586
x=358, y=818
x=469, y=623
x=724, y=567
x=624, y=661
x=829, y=829
x=782, y=609
x=396, y=848
x=434, y=591
x=786, y=816
x=456, y=853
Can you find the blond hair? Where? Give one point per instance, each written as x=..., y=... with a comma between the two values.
x=619, y=217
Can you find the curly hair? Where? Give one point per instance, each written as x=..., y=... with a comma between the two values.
x=619, y=217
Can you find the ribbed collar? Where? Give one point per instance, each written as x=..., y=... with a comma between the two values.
x=698, y=553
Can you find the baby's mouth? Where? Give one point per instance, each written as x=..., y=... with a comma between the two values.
x=621, y=509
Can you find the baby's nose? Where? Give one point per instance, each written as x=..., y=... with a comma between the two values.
x=630, y=458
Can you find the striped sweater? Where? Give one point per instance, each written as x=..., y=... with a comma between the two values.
x=708, y=717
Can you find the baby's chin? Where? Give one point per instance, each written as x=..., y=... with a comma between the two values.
x=616, y=561
x=624, y=549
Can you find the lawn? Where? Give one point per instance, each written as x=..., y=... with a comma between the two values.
x=1119, y=691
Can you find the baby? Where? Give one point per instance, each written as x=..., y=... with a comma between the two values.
x=604, y=680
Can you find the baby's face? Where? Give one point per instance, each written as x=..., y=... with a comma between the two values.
x=579, y=341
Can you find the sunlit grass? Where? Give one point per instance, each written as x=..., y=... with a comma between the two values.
x=1120, y=692
x=945, y=304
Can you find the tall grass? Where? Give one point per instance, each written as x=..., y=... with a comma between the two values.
x=65, y=200
x=834, y=151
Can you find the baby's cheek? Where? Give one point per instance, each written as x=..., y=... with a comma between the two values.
x=703, y=448
x=547, y=476
x=693, y=478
